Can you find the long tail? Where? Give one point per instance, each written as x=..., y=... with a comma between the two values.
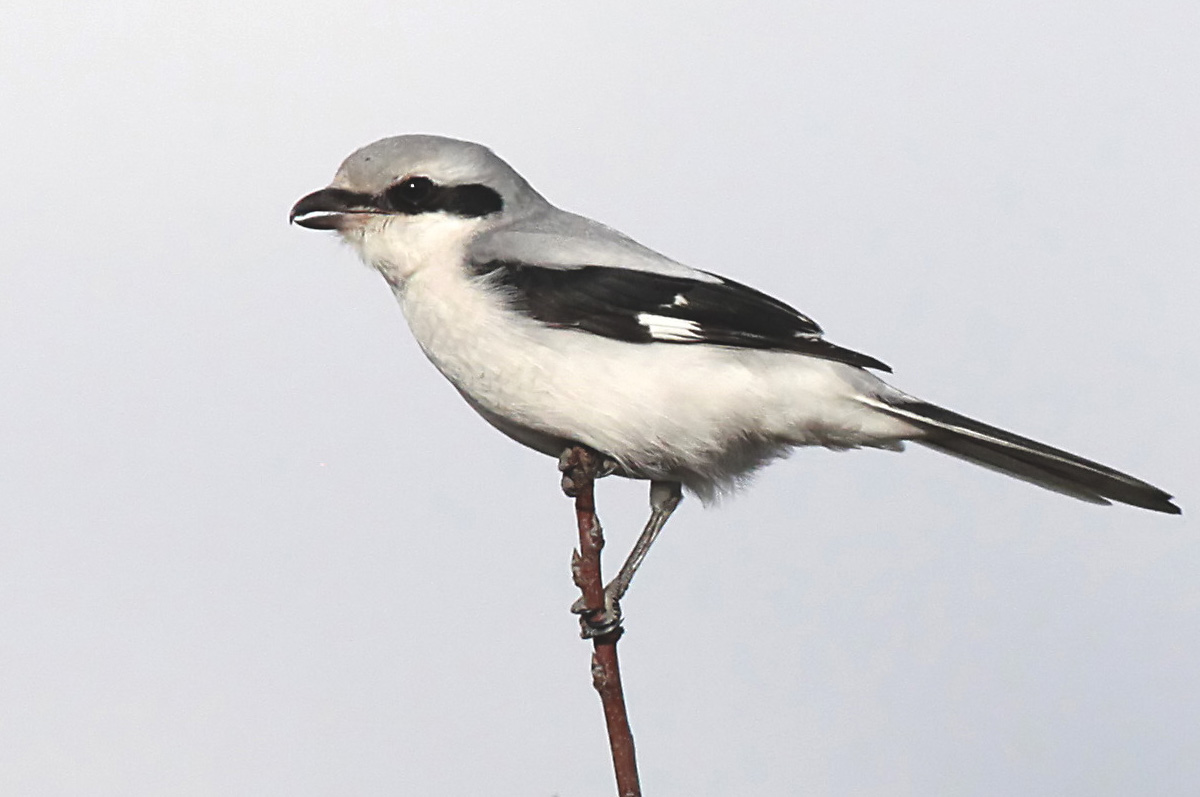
x=1022, y=458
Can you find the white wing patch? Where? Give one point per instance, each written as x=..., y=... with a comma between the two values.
x=664, y=328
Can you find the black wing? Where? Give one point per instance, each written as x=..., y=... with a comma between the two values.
x=643, y=307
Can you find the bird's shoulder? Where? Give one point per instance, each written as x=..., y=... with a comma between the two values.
x=555, y=239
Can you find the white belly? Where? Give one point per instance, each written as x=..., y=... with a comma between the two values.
x=702, y=415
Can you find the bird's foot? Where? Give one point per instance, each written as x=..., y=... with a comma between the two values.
x=593, y=623
x=568, y=461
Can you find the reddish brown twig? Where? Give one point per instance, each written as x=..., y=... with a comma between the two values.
x=601, y=624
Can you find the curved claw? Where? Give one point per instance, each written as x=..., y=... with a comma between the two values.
x=594, y=624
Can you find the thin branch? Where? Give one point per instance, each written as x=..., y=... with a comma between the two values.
x=599, y=622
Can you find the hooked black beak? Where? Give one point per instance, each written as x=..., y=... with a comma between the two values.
x=326, y=209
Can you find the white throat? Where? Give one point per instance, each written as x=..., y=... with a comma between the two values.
x=400, y=246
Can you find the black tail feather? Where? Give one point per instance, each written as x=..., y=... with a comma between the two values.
x=1026, y=459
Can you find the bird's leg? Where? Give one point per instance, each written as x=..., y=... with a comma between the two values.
x=664, y=497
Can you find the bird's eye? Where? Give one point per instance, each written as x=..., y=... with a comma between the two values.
x=410, y=192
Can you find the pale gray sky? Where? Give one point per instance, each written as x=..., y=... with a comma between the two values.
x=253, y=544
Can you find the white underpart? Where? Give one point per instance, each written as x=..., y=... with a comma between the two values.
x=706, y=416
x=668, y=329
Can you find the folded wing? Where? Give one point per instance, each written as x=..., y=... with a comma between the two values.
x=653, y=307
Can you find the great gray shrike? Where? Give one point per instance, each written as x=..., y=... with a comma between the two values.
x=561, y=331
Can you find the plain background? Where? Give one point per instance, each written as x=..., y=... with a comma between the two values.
x=252, y=544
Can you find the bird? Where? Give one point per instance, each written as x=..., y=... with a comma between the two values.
x=561, y=331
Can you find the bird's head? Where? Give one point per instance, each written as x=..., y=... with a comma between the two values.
x=406, y=197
